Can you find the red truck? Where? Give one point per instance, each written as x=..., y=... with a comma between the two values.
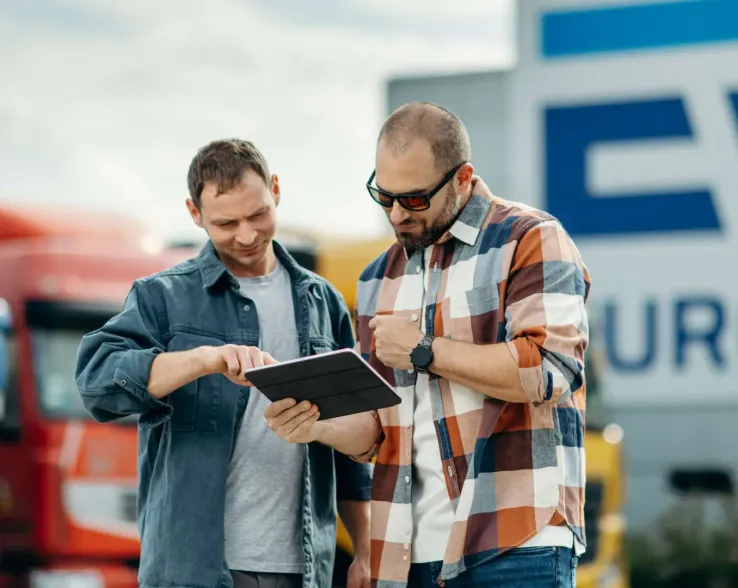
x=67, y=484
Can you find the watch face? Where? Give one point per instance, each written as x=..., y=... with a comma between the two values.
x=421, y=357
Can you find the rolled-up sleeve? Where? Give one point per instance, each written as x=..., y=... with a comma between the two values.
x=547, y=329
x=114, y=361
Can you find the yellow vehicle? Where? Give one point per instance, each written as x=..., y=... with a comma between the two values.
x=604, y=565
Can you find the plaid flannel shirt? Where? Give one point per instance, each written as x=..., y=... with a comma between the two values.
x=503, y=273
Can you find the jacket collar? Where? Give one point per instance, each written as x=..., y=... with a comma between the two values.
x=213, y=270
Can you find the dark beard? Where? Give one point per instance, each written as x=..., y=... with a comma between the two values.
x=431, y=234
x=424, y=240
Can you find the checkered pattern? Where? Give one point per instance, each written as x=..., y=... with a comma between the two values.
x=503, y=273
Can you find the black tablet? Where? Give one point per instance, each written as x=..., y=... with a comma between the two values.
x=339, y=383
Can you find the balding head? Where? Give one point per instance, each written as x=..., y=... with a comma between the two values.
x=439, y=127
x=423, y=150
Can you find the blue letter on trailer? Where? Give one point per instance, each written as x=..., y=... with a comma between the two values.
x=570, y=130
x=709, y=336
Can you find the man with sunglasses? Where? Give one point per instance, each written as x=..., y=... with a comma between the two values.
x=477, y=317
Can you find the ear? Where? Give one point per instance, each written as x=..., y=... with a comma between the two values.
x=465, y=175
x=194, y=212
x=276, y=193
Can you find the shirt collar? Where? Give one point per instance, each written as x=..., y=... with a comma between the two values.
x=468, y=224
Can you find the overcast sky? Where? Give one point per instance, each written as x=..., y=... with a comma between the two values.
x=103, y=103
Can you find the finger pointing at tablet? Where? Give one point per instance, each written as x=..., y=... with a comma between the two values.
x=252, y=357
x=233, y=360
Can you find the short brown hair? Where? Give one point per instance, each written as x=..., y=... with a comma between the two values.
x=224, y=162
x=439, y=126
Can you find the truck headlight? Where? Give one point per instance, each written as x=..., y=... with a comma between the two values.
x=65, y=579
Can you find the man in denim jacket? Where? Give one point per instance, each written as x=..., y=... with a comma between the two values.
x=223, y=500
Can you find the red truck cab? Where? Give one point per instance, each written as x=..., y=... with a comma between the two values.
x=67, y=484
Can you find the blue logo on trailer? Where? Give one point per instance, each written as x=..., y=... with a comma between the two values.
x=570, y=130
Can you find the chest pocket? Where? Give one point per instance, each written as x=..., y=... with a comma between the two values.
x=195, y=405
x=318, y=346
x=473, y=316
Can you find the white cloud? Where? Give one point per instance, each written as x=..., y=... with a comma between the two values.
x=107, y=108
x=465, y=9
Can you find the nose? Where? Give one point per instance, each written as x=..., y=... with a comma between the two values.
x=398, y=214
x=246, y=236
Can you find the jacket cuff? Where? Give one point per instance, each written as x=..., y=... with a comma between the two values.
x=132, y=374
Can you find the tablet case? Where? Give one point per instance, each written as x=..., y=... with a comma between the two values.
x=339, y=383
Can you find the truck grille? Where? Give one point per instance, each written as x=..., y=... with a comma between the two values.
x=128, y=506
x=593, y=496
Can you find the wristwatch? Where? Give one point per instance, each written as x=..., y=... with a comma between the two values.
x=422, y=356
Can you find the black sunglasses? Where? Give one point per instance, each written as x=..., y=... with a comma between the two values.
x=412, y=201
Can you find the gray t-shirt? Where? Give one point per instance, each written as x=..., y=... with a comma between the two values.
x=263, y=515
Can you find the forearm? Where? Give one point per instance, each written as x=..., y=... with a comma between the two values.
x=488, y=369
x=355, y=516
x=352, y=435
x=172, y=370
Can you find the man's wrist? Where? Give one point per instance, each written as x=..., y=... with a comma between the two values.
x=437, y=347
x=323, y=431
x=200, y=356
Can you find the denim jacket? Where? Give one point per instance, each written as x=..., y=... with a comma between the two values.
x=186, y=439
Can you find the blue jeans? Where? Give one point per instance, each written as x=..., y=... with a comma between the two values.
x=529, y=567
